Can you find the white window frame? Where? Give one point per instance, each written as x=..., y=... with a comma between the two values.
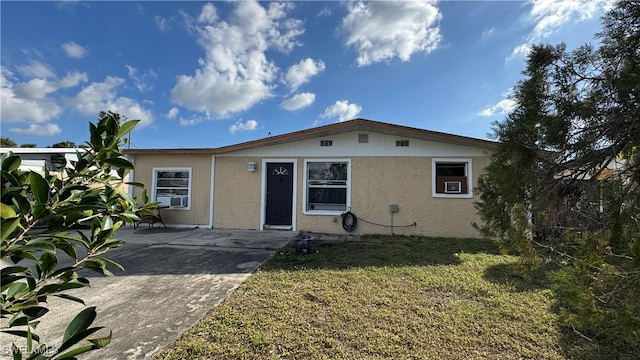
x=469, y=174
x=154, y=186
x=305, y=207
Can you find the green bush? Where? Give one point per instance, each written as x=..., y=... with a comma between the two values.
x=73, y=212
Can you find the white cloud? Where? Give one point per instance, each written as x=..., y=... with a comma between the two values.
x=301, y=72
x=5, y=74
x=235, y=74
x=34, y=89
x=504, y=106
x=208, y=15
x=72, y=79
x=142, y=80
x=298, y=101
x=37, y=101
x=74, y=50
x=28, y=102
x=102, y=96
x=191, y=122
x=47, y=129
x=246, y=126
x=188, y=22
x=283, y=35
x=32, y=101
x=487, y=33
x=131, y=109
x=520, y=50
x=89, y=100
x=162, y=23
x=549, y=16
x=324, y=12
x=342, y=110
x=69, y=4
x=173, y=112
x=382, y=30
x=36, y=69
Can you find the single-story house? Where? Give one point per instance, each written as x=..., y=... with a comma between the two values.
x=389, y=178
x=39, y=159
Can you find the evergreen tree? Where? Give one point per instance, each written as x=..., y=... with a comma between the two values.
x=564, y=184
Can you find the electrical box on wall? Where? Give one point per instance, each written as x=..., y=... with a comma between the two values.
x=253, y=166
x=393, y=208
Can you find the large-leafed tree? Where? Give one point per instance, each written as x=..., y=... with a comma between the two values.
x=56, y=224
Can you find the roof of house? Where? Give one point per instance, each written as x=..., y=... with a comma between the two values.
x=362, y=125
x=17, y=150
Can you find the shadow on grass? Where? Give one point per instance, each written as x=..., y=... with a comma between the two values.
x=614, y=345
x=510, y=275
x=598, y=342
x=379, y=251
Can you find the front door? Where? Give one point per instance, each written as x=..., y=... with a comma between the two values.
x=279, y=204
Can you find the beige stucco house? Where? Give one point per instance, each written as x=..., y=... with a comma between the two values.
x=394, y=179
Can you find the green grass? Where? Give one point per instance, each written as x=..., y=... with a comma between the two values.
x=384, y=298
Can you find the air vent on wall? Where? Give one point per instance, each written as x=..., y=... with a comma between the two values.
x=326, y=142
x=402, y=143
x=363, y=138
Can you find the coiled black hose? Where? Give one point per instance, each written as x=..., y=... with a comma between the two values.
x=349, y=221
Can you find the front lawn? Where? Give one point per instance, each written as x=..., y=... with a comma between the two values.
x=388, y=297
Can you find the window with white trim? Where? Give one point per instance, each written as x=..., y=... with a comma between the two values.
x=451, y=178
x=327, y=186
x=172, y=187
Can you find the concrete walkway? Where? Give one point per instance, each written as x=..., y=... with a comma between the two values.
x=172, y=278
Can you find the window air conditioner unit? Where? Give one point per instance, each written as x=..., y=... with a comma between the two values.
x=179, y=201
x=452, y=187
x=164, y=200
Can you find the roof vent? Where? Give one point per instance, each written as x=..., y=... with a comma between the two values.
x=326, y=142
x=363, y=138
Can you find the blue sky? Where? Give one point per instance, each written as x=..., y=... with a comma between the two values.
x=209, y=74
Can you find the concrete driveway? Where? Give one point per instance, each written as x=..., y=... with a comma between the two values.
x=172, y=278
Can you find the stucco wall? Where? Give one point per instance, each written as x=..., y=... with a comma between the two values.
x=200, y=187
x=376, y=182
x=237, y=198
